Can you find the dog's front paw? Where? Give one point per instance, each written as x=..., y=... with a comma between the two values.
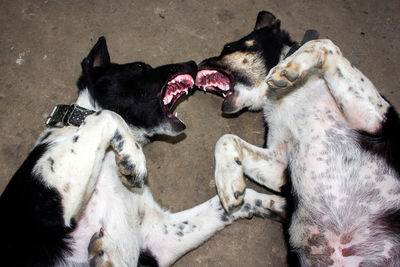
x=130, y=160
x=262, y=205
x=131, y=170
x=101, y=250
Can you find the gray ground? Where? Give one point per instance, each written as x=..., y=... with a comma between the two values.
x=43, y=42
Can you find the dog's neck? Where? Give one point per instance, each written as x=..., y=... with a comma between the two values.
x=86, y=101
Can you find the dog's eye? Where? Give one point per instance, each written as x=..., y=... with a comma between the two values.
x=228, y=48
x=139, y=66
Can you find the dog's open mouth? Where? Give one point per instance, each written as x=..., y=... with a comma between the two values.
x=215, y=81
x=175, y=89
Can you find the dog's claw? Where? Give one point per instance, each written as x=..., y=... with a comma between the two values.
x=290, y=75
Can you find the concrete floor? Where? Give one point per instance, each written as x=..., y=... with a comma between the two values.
x=43, y=42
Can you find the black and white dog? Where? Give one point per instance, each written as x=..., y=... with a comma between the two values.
x=330, y=129
x=78, y=198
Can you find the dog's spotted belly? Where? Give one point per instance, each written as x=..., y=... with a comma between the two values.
x=343, y=194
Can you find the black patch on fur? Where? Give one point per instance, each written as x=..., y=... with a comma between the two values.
x=386, y=143
x=44, y=137
x=75, y=138
x=258, y=203
x=117, y=136
x=339, y=72
x=291, y=205
x=51, y=160
x=127, y=164
x=120, y=146
x=238, y=162
x=246, y=207
x=32, y=226
x=146, y=258
x=390, y=220
x=225, y=217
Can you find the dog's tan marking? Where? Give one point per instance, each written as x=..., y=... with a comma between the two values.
x=66, y=187
x=249, y=43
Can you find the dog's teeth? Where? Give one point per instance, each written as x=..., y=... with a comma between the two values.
x=224, y=95
x=187, y=92
x=176, y=114
x=204, y=89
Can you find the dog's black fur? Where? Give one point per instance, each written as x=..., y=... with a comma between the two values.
x=32, y=226
x=32, y=229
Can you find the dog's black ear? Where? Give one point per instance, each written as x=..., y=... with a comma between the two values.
x=310, y=35
x=98, y=56
x=265, y=19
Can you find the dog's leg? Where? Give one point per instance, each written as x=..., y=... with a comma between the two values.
x=354, y=93
x=169, y=236
x=102, y=251
x=235, y=157
x=73, y=163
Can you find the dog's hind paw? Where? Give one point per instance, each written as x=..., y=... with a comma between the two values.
x=230, y=185
x=97, y=256
x=292, y=71
x=261, y=205
x=102, y=252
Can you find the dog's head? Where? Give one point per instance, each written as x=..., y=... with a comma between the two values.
x=238, y=73
x=142, y=95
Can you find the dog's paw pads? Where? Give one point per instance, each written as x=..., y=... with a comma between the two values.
x=130, y=173
x=231, y=192
x=262, y=205
x=282, y=79
x=98, y=254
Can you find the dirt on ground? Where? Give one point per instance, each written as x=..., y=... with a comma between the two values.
x=43, y=42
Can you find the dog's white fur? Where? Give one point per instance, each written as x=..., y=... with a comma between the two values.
x=88, y=175
x=315, y=102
